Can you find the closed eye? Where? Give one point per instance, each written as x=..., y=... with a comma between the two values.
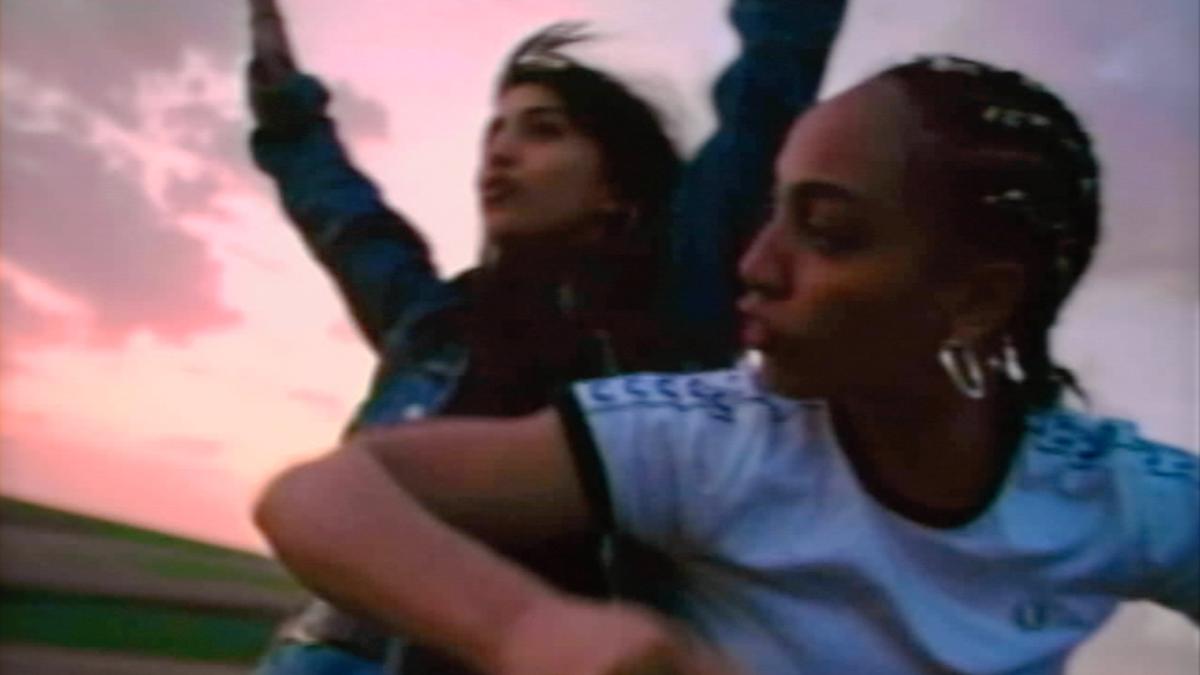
x=545, y=122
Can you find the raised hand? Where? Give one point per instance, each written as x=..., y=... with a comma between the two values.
x=272, y=54
x=588, y=638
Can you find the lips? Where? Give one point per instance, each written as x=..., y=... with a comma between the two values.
x=495, y=190
x=755, y=335
x=755, y=332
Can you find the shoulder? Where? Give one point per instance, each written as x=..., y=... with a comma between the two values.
x=681, y=454
x=1067, y=440
x=1148, y=491
x=714, y=397
x=698, y=427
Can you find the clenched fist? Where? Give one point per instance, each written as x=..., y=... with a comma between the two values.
x=272, y=55
x=589, y=638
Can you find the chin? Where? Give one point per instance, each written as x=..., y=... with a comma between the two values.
x=499, y=227
x=784, y=380
x=770, y=377
x=502, y=228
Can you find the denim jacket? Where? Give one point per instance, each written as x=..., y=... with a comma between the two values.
x=382, y=266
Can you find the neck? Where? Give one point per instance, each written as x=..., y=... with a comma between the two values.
x=599, y=277
x=925, y=455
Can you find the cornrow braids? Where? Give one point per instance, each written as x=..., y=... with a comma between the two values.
x=1011, y=172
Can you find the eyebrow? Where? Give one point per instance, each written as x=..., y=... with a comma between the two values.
x=531, y=111
x=534, y=110
x=809, y=190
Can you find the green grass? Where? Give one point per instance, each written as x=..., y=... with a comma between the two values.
x=176, y=558
x=115, y=624
x=18, y=512
x=197, y=627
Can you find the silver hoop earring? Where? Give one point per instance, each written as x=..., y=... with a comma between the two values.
x=961, y=364
x=1012, y=361
x=1008, y=361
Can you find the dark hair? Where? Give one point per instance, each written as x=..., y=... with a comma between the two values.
x=640, y=162
x=1009, y=171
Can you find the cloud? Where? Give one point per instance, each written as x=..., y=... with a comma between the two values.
x=99, y=50
x=358, y=115
x=322, y=401
x=79, y=217
x=20, y=317
x=216, y=134
x=193, y=195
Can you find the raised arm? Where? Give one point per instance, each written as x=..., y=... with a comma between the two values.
x=272, y=61
x=385, y=547
x=784, y=48
x=380, y=264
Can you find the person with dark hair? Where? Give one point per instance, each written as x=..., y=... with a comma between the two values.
x=893, y=483
x=588, y=215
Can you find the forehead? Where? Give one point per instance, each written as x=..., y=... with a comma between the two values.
x=521, y=97
x=858, y=140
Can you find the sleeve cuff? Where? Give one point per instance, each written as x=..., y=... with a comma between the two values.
x=588, y=463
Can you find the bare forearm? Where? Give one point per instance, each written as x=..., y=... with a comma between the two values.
x=373, y=549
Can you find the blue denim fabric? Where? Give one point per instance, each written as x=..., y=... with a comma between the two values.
x=721, y=199
x=294, y=659
x=383, y=269
x=379, y=262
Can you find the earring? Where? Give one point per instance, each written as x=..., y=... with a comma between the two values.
x=1011, y=361
x=1008, y=362
x=962, y=365
x=627, y=218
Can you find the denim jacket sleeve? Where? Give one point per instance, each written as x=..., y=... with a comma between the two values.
x=380, y=264
x=784, y=47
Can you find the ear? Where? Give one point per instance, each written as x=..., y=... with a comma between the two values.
x=984, y=300
x=622, y=217
x=614, y=204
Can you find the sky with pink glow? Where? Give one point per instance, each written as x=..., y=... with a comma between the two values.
x=167, y=343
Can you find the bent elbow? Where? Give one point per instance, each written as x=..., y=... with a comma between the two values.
x=406, y=464
x=285, y=509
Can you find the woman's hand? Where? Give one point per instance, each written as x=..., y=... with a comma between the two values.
x=272, y=55
x=560, y=635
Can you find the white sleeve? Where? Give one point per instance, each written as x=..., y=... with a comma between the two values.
x=664, y=457
x=627, y=449
x=668, y=459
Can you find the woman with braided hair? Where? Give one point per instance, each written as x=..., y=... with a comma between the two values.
x=894, y=484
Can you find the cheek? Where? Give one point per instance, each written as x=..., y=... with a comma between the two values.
x=859, y=307
x=574, y=177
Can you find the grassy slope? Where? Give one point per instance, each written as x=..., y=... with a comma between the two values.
x=77, y=582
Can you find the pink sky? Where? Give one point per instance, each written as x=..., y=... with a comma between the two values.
x=168, y=344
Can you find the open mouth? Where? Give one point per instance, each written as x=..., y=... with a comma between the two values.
x=497, y=190
x=755, y=335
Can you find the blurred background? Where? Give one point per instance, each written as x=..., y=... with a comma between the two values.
x=166, y=342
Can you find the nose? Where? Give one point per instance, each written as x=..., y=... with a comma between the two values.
x=763, y=268
x=501, y=150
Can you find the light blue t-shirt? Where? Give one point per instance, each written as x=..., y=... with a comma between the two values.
x=785, y=562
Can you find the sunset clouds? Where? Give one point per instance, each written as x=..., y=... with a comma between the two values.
x=167, y=342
